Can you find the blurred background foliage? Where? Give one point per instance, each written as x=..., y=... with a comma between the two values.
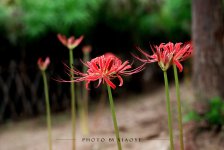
x=34, y=19
x=142, y=19
x=28, y=30
x=213, y=115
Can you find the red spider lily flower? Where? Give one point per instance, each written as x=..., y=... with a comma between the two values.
x=108, y=54
x=104, y=69
x=87, y=49
x=70, y=42
x=43, y=64
x=167, y=54
x=182, y=54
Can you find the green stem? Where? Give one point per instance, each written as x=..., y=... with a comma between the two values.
x=114, y=117
x=85, y=98
x=48, y=109
x=179, y=107
x=81, y=110
x=168, y=110
x=73, y=111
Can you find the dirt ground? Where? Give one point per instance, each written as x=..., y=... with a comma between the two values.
x=141, y=119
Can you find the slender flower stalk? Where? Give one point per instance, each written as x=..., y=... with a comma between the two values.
x=71, y=43
x=47, y=109
x=181, y=54
x=73, y=109
x=43, y=66
x=168, y=110
x=104, y=70
x=179, y=108
x=103, y=95
x=163, y=55
x=112, y=108
x=84, y=113
x=167, y=55
x=81, y=110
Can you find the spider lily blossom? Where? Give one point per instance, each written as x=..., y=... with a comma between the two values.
x=86, y=49
x=104, y=69
x=182, y=54
x=167, y=54
x=109, y=54
x=70, y=42
x=43, y=64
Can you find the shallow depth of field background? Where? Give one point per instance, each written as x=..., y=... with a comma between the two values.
x=28, y=30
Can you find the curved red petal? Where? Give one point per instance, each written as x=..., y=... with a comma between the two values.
x=87, y=85
x=179, y=66
x=120, y=79
x=77, y=41
x=100, y=81
x=113, y=86
x=62, y=39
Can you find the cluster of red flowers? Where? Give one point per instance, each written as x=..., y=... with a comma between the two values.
x=107, y=67
x=167, y=55
x=103, y=69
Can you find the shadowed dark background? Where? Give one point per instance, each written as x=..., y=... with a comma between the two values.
x=28, y=31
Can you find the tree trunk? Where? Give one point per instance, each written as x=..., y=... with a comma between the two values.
x=208, y=43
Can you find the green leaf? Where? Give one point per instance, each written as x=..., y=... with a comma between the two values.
x=191, y=116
